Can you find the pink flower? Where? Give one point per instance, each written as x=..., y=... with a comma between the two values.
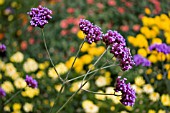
x=129, y=4
x=31, y=41
x=64, y=32
x=63, y=24
x=70, y=10
x=111, y=2
x=74, y=29
x=136, y=27
x=100, y=5
x=121, y=10
x=24, y=45
x=124, y=28
x=90, y=1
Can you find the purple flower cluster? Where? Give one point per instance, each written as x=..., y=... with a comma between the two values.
x=119, y=49
x=160, y=48
x=31, y=82
x=128, y=94
x=2, y=92
x=2, y=48
x=93, y=32
x=39, y=16
x=139, y=60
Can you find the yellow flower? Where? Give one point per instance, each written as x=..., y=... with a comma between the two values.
x=0, y=76
x=156, y=29
x=20, y=83
x=167, y=66
x=152, y=58
x=115, y=99
x=15, y=75
x=139, y=81
x=151, y=111
x=141, y=38
x=58, y=87
x=137, y=89
x=30, y=92
x=16, y=106
x=100, y=97
x=149, y=71
x=142, y=52
x=10, y=70
x=8, y=87
x=52, y=73
x=129, y=108
x=76, y=85
x=156, y=41
x=165, y=99
x=169, y=74
x=161, y=57
x=80, y=34
x=131, y=39
x=28, y=107
x=30, y=65
x=89, y=107
x=147, y=11
x=101, y=81
x=40, y=74
x=161, y=111
x=61, y=68
x=2, y=2
x=17, y=57
x=86, y=59
x=154, y=96
x=112, y=108
x=147, y=88
x=159, y=76
x=99, y=50
x=2, y=65
x=85, y=47
x=7, y=108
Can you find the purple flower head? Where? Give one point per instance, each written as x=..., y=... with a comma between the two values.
x=31, y=82
x=139, y=60
x=112, y=37
x=160, y=48
x=39, y=16
x=2, y=48
x=2, y=92
x=93, y=32
x=128, y=94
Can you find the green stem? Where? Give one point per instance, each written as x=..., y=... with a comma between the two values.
x=12, y=97
x=81, y=85
x=98, y=93
x=90, y=73
x=74, y=60
x=44, y=40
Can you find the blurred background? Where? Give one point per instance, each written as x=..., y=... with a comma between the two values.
x=142, y=23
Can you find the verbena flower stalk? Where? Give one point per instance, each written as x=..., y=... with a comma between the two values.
x=113, y=40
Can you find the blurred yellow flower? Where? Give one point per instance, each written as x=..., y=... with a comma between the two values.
x=141, y=38
x=52, y=73
x=167, y=66
x=30, y=92
x=156, y=41
x=131, y=39
x=154, y=96
x=139, y=81
x=112, y=108
x=17, y=57
x=100, y=97
x=2, y=2
x=161, y=56
x=20, y=83
x=28, y=107
x=8, y=87
x=86, y=59
x=147, y=88
x=161, y=111
x=151, y=111
x=10, y=70
x=101, y=81
x=7, y=108
x=169, y=74
x=137, y=89
x=61, y=68
x=58, y=87
x=2, y=65
x=115, y=99
x=89, y=107
x=159, y=76
x=152, y=58
x=129, y=108
x=15, y=75
x=124, y=112
x=0, y=76
x=16, y=106
x=99, y=51
x=147, y=11
x=80, y=34
x=76, y=85
x=85, y=47
x=40, y=74
x=149, y=71
x=30, y=65
x=142, y=52
x=165, y=99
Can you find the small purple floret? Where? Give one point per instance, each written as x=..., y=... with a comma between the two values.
x=128, y=94
x=2, y=92
x=93, y=32
x=39, y=16
x=160, y=48
x=139, y=60
x=31, y=82
x=2, y=48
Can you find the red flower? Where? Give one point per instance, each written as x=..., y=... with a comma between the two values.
x=90, y=1
x=111, y=2
x=24, y=45
x=63, y=24
x=121, y=10
x=124, y=28
x=136, y=27
x=70, y=10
